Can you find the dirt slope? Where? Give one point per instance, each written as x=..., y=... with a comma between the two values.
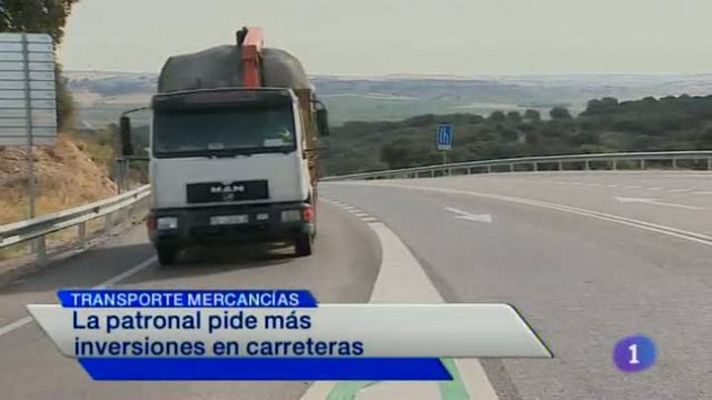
x=66, y=175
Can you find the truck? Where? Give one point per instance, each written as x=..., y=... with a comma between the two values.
x=232, y=155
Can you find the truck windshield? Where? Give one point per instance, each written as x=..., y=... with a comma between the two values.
x=223, y=132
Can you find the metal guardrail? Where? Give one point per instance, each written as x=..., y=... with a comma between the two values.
x=38, y=228
x=533, y=164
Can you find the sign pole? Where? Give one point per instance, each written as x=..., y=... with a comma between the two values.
x=38, y=244
x=28, y=114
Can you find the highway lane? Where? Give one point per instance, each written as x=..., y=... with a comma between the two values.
x=343, y=269
x=583, y=281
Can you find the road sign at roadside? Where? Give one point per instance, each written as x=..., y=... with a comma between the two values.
x=28, y=107
x=445, y=135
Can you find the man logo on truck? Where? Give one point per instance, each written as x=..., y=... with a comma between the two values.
x=227, y=189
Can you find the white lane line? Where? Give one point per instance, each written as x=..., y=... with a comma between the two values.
x=612, y=185
x=656, y=202
x=112, y=281
x=401, y=279
x=354, y=211
x=15, y=325
x=369, y=219
x=654, y=188
x=702, y=192
x=648, y=226
x=133, y=271
x=594, y=184
x=486, y=218
x=577, y=183
x=361, y=214
x=679, y=190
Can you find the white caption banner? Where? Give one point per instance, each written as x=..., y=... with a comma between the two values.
x=386, y=330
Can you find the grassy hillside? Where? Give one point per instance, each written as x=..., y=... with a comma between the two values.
x=669, y=123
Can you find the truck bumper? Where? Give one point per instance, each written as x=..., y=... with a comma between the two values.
x=240, y=224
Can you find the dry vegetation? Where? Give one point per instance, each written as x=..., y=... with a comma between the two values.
x=71, y=173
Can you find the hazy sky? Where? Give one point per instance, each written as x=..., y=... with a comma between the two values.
x=367, y=37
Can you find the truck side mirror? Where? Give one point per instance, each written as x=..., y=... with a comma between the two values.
x=125, y=135
x=322, y=121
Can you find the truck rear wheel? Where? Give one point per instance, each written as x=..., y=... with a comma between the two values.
x=166, y=255
x=303, y=245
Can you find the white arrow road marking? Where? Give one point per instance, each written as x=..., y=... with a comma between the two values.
x=486, y=218
x=655, y=202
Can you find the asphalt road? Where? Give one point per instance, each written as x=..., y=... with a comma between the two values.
x=587, y=258
x=343, y=269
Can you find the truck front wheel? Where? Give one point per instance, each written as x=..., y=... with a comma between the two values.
x=166, y=255
x=303, y=245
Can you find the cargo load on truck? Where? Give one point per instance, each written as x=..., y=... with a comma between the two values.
x=221, y=67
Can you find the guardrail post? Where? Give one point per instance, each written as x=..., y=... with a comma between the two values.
x=587, y=165
x=511, y=167
x=469, y=170
x=489, y=169
x=674, y=163
x=41, y=251
x=709, y=163
x=535, y=166
x=561, y=165
x=82, y=235
x=108, y=220
x=449, y=172
x=642, y=163
x=432, y=173
x=614, y=165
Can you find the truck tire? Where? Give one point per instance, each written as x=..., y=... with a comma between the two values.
x=303, y=245
x=166, y=255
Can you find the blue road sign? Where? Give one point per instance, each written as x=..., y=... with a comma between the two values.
x=445, y=135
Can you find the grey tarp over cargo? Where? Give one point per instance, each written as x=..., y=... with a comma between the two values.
x=221, y=67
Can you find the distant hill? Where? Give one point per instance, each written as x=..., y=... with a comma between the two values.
x=606, y=125
x=102, y=95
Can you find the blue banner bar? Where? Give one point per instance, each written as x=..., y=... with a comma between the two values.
x=256, y=369
x=105, y=298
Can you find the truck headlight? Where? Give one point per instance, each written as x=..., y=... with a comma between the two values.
x=291, y=215
x=164, y=223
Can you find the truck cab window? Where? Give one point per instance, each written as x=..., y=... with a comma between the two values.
x=227, y=131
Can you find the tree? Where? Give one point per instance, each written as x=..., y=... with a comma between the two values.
x=46, y=16
x=397, y=152
x=532, y=115
x=514, y=116
x=606, y=105
x=559, y=113
x=497, y=116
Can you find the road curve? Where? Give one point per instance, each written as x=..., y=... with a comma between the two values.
x=342, y=270
x=587, y=258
